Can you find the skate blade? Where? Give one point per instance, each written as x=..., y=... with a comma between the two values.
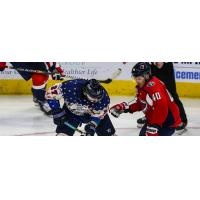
x=140, y=125
x=181, y=131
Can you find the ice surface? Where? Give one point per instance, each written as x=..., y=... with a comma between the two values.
x=19, y=116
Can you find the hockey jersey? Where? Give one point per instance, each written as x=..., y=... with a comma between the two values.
x=77, y=104
x=157, y=104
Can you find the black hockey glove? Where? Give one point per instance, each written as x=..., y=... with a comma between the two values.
x=59, y=117
x=90, y=129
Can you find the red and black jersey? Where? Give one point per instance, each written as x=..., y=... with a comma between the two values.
x=157, y=104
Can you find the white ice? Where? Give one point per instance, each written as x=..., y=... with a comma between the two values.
x=19, y=116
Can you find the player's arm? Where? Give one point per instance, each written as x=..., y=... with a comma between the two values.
x=124, y=107
x=53, y=96
x=56, y=70
x=90, y=128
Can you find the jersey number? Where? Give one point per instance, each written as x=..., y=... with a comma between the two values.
x=156, y=96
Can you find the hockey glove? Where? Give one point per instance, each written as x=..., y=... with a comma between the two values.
x=57, y=73
x=59, y=117
x=118, y=109
x=90, y=129
x=152, y=130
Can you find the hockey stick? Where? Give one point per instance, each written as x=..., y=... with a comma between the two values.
x=74, y=128
x=30, y=70
x=67, y=77
x=114, y=76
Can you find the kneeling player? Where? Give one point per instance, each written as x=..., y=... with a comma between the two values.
x=85, y=102
x=39, y=80
x=154, y=100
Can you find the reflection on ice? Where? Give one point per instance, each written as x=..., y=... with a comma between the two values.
x=19, y=116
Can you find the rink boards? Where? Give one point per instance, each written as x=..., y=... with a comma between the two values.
x=116, y=88
x=187, y=76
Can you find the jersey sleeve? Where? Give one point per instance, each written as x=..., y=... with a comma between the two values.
x=53, y=95
x=95, y=121
x=102, y=111
x=136, y=106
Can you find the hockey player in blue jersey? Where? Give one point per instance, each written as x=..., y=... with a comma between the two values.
x=39, y=80
x=85, y=102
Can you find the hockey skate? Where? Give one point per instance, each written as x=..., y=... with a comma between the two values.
x=181, y=129
x=44, y=107
x=35, y=101
x=141, y=122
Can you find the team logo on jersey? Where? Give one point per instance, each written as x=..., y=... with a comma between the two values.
x=150, y=84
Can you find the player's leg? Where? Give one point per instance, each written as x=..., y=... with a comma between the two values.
x=181, y=109
x=182, y=127
x=37, y=79
x=162, y=132
x=143, y=130
x=39, y=90
x=167, y=131
x=105, y=128
x=60, y=119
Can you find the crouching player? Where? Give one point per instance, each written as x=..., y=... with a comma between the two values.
x=85, y=102
x=154, y=100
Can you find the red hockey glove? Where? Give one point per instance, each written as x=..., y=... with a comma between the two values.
x=152, y=130
x=2, y=66
x=118, y=109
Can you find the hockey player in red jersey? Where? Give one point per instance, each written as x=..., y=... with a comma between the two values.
x=154, y=100
x=39, y=80
x=165, y=72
